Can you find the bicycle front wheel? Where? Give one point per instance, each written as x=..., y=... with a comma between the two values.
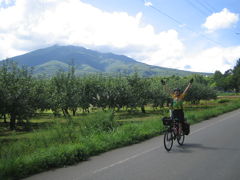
x=168, y=140
x=181, y=138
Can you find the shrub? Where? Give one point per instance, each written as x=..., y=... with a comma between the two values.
x=221, y=101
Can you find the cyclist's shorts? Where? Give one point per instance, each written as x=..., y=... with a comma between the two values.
x=178, y=114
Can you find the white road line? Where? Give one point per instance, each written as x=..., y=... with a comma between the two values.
x=152, y=149
x=124, y=160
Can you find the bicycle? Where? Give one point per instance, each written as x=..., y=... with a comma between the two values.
x=172, y=133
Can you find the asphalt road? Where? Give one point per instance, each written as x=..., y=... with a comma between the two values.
x=210, y=152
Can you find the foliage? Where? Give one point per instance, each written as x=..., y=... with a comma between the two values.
x=64, y=92
x=236, y=76
x=230, y=80
x=17, y=96
x=22, y=95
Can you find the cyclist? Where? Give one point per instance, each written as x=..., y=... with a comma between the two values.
x=177, y=102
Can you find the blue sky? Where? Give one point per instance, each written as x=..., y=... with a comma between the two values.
x=192, y=13
x=195, y=35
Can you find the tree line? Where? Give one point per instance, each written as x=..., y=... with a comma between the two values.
x=229, y=80
x=22, y=94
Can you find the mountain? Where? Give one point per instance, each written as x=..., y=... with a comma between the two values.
x=52, y=59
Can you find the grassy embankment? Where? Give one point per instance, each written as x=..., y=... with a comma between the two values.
x=58, y=142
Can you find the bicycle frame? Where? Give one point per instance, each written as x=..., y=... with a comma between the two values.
x=172, y=133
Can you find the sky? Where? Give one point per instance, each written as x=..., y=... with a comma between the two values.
x=193, y=35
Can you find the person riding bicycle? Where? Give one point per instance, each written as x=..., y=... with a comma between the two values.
x=176, y=108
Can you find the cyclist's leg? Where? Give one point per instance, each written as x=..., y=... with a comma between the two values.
x=176, y=116
x=181, y=120
x=180, y=128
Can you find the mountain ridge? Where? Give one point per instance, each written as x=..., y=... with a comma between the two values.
x=54, y=58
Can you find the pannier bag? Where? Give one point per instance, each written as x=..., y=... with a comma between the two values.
x=166, y=121
x=186, y=128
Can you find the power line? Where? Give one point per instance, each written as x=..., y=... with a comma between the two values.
x=205, y=6
x=213, y=9
x=149, y=4
x=165, y=14
x=195, y=7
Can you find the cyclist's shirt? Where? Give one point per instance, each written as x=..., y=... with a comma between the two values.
x=177, y=101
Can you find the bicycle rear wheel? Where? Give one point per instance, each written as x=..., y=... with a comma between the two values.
x=168, y=140
x=181, y=138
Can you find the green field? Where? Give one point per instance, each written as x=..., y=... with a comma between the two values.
x=51, y=142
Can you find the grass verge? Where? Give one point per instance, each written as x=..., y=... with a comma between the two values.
x=67, y=143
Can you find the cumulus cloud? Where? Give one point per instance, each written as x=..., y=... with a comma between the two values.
x=32, y=24
x=29, y=25
x=209, y=60
x=166, y=50
x=220, y=20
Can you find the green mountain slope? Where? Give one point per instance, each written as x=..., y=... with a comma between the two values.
x=49, y=60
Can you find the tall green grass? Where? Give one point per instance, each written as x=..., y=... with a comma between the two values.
x=204, y=114
x=74, y=140
x=68, y=143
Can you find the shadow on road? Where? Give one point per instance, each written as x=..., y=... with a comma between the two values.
x=189, y=148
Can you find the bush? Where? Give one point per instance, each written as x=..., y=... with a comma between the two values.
x=97, y=122
x=221, y=101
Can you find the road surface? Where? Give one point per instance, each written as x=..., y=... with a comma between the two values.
x=210, y=152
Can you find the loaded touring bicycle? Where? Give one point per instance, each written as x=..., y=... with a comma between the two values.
x=173, y=131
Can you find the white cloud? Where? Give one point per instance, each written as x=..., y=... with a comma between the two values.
x=43, y=22
x=212, y=59
x=29, y=25
x=220, y=20
x=165, y=50
x=147, y=3
x=207, y=60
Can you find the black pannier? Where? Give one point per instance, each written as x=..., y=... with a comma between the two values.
x=166, y=121
x=186, y=128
